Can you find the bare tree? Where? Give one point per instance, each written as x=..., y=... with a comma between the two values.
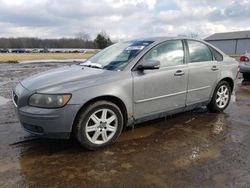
x=192, y=35
x=83, y=36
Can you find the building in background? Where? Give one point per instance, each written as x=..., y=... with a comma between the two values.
x=232, y=42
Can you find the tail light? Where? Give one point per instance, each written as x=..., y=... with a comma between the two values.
x=244, y=59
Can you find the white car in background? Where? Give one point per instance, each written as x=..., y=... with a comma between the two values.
x=245, y=65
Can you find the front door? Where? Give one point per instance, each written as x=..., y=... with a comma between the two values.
x=163, y=89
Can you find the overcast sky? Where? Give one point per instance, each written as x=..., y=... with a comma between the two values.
x=121, y=19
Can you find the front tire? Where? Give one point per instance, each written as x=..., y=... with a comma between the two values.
x=221, y=97
x=99, y=125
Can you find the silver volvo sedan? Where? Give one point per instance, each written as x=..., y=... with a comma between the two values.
x=125, y=84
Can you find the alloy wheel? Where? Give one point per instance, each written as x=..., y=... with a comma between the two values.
x=101, y=126
x=222, y=96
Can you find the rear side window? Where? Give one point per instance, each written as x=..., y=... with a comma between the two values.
x=169, y=53
x=199, y=52
x=216, y=54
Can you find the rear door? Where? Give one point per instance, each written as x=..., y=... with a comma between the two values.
x=203, y=72
x=165, y=88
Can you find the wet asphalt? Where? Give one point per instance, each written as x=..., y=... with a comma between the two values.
x=192, y=149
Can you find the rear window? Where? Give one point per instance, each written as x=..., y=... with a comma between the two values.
x=217, y=55
x=199, y=52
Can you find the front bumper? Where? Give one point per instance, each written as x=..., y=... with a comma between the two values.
x=49, y=123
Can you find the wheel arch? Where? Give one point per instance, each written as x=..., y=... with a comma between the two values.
x=117, y=101
x=211, y=105
x=229, y=81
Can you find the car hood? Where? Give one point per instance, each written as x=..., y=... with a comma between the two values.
x=59, y=78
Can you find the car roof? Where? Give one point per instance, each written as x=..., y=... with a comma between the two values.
x=163, y=39
x=160, y=39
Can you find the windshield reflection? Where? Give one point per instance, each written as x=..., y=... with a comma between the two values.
x=117, y=56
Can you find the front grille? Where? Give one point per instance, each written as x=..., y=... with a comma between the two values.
x=15, y=98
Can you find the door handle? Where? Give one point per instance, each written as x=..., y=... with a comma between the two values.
x=179, y=73
x=214, y=68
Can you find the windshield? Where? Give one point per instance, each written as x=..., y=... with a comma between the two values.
x=117, y=56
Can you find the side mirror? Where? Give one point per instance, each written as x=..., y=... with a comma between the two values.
x=149, y=65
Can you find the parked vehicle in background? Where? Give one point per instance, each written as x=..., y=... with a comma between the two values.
x=245, y=65
x=35, y=51
x=44, y=50
x=18, y=50
x=4, y=50
x=75, y=51
x=124, y=84
x=27, y=50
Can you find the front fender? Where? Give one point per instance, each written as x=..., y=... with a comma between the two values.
x=121, y=89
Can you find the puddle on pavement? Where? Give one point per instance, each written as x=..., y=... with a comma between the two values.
x=238, y=135
x=3, y=100
x=206, y=154
x=218, y=125
x=197, y=155
x=220, y=180
x=154, y=181
x=137, y=133
x=182, y=163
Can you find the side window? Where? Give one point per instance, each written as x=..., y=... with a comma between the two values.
x=169, y=53
x=199, y=52
x=216, y=54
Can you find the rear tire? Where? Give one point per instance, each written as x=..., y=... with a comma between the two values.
x=99, y=125
x=221, y=97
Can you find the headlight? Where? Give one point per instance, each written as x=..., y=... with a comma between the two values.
x=49, y=100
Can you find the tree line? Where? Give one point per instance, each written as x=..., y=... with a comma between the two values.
x=81, y=40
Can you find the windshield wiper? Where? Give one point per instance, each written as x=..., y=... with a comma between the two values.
x=92, y=65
